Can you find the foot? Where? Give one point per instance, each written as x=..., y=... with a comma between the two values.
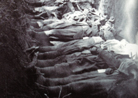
x=109, y=71
x=94, y=50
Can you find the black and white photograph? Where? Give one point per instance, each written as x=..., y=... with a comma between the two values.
x=68, y=48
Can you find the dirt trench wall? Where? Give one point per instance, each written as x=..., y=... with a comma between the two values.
x=126, y=15
x=13, y=40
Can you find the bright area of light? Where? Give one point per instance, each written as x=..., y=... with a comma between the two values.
x=130, y=7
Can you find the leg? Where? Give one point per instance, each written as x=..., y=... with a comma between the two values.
x=93, y=86
x=66, y=80
x=50, y=62
x=48, y=55
x=66, y=69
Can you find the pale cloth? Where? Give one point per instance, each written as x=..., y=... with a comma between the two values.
x=121, y=47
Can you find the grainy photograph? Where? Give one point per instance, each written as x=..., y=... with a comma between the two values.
x=68, y=48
